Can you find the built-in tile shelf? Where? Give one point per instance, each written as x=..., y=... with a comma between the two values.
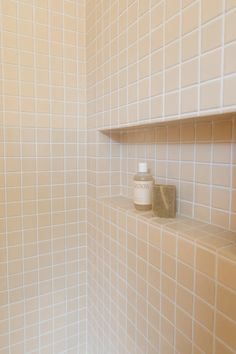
x=150, y=125
x=207, y=129
x=215, y=239
x=181, y=270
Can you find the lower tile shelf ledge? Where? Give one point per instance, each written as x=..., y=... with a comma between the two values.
x=182, y=271
x=209, y=236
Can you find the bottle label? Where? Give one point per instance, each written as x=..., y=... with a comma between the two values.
x=143, y=192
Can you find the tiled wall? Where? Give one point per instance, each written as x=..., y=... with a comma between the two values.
x=153, y=61
x=146, y=61
x=159, y=287
x=42, y=177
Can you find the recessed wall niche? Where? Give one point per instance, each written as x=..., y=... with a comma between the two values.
x=198, y=155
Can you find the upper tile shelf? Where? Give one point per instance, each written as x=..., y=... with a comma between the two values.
x=226, y=116
x=215, y=128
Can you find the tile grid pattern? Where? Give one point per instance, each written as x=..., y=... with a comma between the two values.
x=197, y=157
x=159, y=286
x=153, y=61
x=117, y=24
x=43, y=222
x=160, y=60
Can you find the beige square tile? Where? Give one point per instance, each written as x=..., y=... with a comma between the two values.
x=202, y=194
x=184, y=323
x=203, y=338
x=225, y=275
x=157, y=15
x=154, y=277
x=210, y=95
x=205, y=262
x=186, y=191
x=204, y=132
x=226, y=302
x=156, y=61
x=189, y=100
x=220, y=198
x=210, y=66
x=214, y=243
x=190, y=18
x=144, y=89
x=169, y=265
x=190, y=46
x=211, y=9
x=172, y=79
x=187, y=170
x=156, y=107
x=173, y=136
x=143, y=27
x=171, y=104
x=233, y=201
x=221, y=175
x=153, y=298
x=168, y=309
x=9, y=9
x=202, y=173
x=211, y=35
x=230, y=28
x=234, y=177
x=157, y=39
x=229, y=89
x=172, y=54
x=222, y=153
x=205, y=288
x=229, y=63
x=167, y=331
x=204, y=314
x=221, y=348
x=9, y=40
x=169, y=242
x=186, y=3
x=153, y=319
x=172, y=29
x=168, y=287
x=143, y=7
x=189, y=73
x=144, y=47
x=230, y=4
x=187, y=134
x=171, y=8
x=157, y=84
x=225, y=330
x=154, y=257
x=185, y=251
x=185, y=275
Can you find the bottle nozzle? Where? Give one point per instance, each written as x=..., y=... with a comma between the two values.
x=142, y=167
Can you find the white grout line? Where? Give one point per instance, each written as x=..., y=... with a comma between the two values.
x=20, y=113
x=5, y=235
x=51, y=181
